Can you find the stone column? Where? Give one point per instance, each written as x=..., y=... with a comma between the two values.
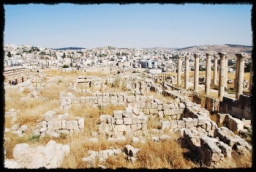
x=186, y=77
x=196, y=72
x=222, y=75
x=215, y=69
x=236, y=74
x=226, y=73
x=179, y=71
x=208, y=73
x=240, y=78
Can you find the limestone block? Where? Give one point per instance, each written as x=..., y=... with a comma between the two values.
x=142, y=105
x=130, y=99
x=99, y=100
x=118, y=114
x=154, y=138
x=225, y=149
x=167, y=112
x=135, y=139
x=56, y=125
x=119, y=121
x=63, y=124
x=160, y=107
x=164, y=137
x=69, y=125
x=121, y=128
x=134, y=127
x=173, y=124
x=11, y=164
x=135, y=111
x=81, y=123
x=154, y=105
x=160, y=114
x=135, y=120
x=146, y=111
x=172, y=106
x=92, y=100
x=189, y=122
x=182, y=106
x=139, y=126
x=23, y=128
x=48, y=116
x=180, y=124
x=76, y=100
x=148, y=105
x=165, y=125
x=144, y=127
x=105, y=99
x=127, y=121
x=93, y=140
x=19, y=151
x=127, y=114
x=165, y=107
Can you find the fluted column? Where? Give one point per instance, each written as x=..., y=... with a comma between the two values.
x=240, y=78
x=196, y=72
x=215, y=74
x=222, y=75
x=179, y=71
x=186, y=77
x=208, y=73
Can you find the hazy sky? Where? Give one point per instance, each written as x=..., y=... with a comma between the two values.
x=127, y=26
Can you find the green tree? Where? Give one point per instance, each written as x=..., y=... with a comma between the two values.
x=9, y=54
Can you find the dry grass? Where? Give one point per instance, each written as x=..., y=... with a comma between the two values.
x=157, y=155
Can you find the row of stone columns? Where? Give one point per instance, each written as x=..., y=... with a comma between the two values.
x=222, y=73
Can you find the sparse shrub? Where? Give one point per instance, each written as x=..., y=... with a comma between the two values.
x=34, y=138
x=65, y=66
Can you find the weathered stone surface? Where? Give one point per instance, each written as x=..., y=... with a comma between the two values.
x=48, y=116
x=165, y=125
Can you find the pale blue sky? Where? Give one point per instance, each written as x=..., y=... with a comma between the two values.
x=130, y=26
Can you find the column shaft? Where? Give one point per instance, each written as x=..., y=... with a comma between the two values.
x=179, y=71
x=208, y=74
x=240, y=76
x=222, y=76
x=186, y=78
x=236, y=74
x=215, y=70
x=196, y=73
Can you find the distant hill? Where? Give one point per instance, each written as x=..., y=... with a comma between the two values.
x=68, y=48
x=235, y=45
x=230, y=49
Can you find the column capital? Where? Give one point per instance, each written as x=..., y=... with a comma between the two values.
x=209, y=54
x=186, y=57
x=241, y=55
x=180, y=56
x=196, y=55
x=222, y=55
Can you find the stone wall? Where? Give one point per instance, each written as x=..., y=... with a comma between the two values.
x=54, y=126
x=18, y=74
x=240, y=108
x=147, y=105
x=123, y=123
x=202, y=135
